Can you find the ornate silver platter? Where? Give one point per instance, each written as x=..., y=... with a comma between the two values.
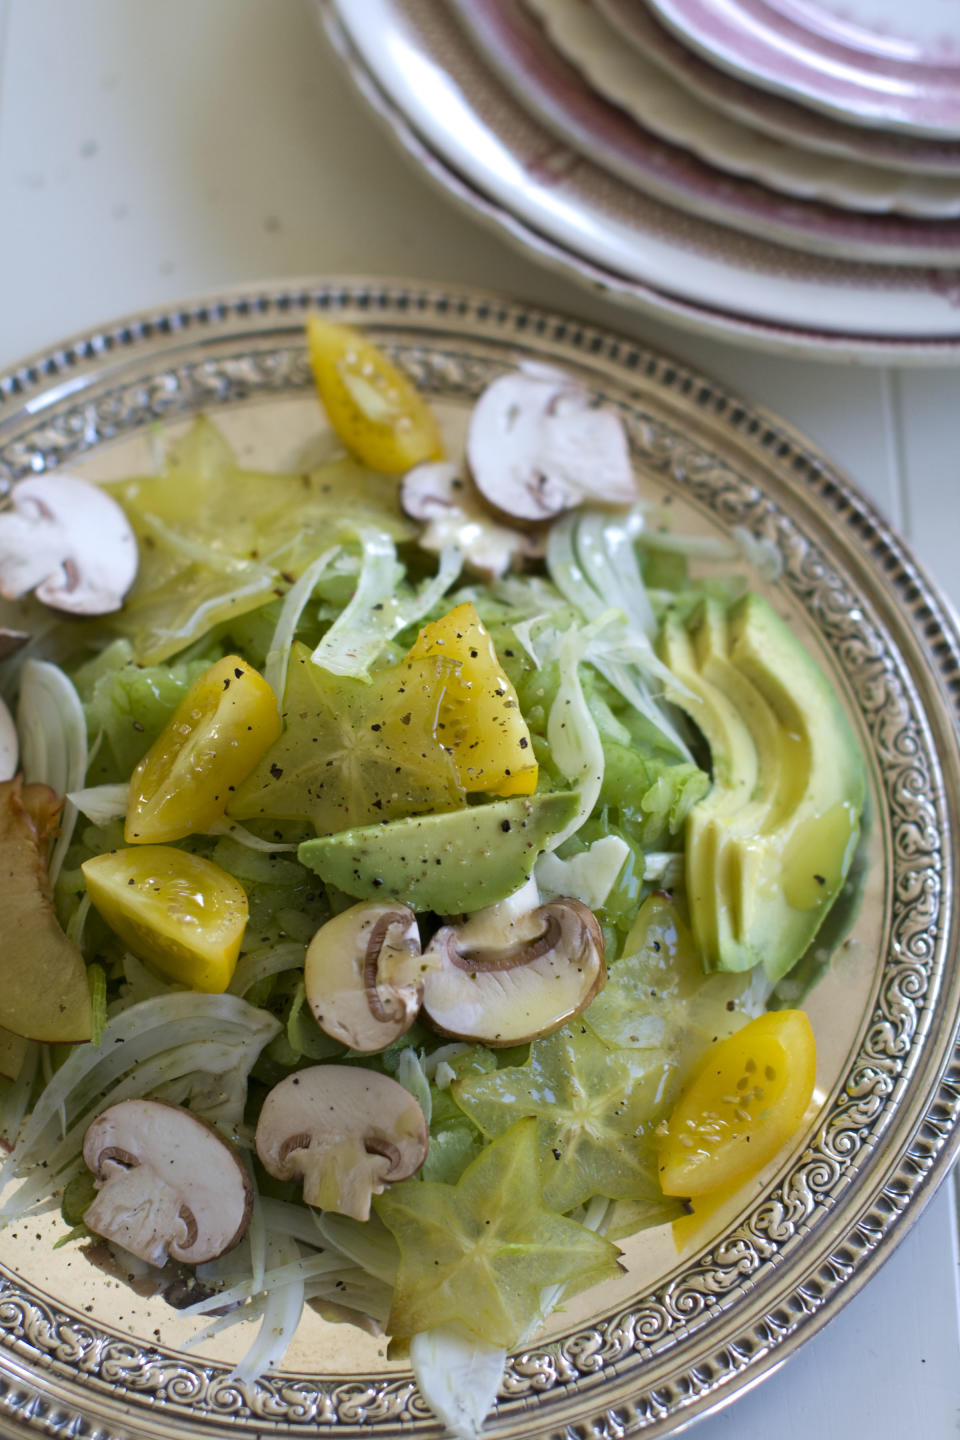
x=82, y=1353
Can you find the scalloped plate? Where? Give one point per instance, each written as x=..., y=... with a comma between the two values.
x=679, y=1334
x=415, y=66
x=876, y=63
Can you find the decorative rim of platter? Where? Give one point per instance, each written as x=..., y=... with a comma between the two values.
x=722, y=1318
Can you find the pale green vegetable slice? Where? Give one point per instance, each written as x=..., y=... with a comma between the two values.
x=480, y=1252
x=596, y=1107
x=657, y=994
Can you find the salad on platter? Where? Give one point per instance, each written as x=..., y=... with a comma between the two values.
x=415, y=864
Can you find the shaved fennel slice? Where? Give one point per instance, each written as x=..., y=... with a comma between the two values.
x=198, y=1032
x=281, y=1316
x=270, y=960
x=459, y=1376
x=172, y=1076
x=572, y=732
x=348, y=646
x=588, y=877
x=741, y=545
x=592, y=561
x=367, y=1243
x=296, y=599
x=606, y=550
x=16, y=1096
x=376, y=613
x=257, y=1235
x=351, y=1284
x=101, y=803
x=53, y=741
x=274, y=1276
x=243, y=836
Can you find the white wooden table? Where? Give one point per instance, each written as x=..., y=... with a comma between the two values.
x=152, y=151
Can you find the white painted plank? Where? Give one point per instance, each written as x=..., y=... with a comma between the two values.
x=931, y=410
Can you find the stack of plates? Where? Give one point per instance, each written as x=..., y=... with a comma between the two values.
x=782, y=171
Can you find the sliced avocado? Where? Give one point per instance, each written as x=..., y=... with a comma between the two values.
x=454, y=862
x=763, y=869
x=734, y=758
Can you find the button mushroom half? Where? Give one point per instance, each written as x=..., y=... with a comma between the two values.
x=69, y=542
x=168, y=1183
x=538, y=445
x=453, y=512
x=346, y=1131
x=364, y=975
x=515, y=971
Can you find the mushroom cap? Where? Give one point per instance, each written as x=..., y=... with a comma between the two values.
x=453, y=512
x=543, y=968
x=537, y=445
x=169, y=1183
x=364, y=974
x=9, y=744
x=70, y=542
x=347, y=1131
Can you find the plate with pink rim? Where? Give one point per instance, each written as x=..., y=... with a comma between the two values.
x=878, y=63
x=556, y=93
x=457, y=120
x=774, y=114
x=650, y=96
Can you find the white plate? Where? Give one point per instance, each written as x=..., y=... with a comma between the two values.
x=555, y=93
x=457, y=120
x=651, y=97
x=891, y=64
x=773, y=114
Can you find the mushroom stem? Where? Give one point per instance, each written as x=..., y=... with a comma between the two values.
x=512, y=955
x=345, y=1132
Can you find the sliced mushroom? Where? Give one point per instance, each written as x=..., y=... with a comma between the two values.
x=515, y=971
x=538, y=445
x=364, y=974
x=70, y=542
x=454, y=513
x=168, y=1183
x=348, y=1132
x=9, y=744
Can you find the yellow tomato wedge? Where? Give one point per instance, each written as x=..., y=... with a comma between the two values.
x=481, y=724
x=745, y=1100
x=224, y=724
x=177, y=911
x=376, y=411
